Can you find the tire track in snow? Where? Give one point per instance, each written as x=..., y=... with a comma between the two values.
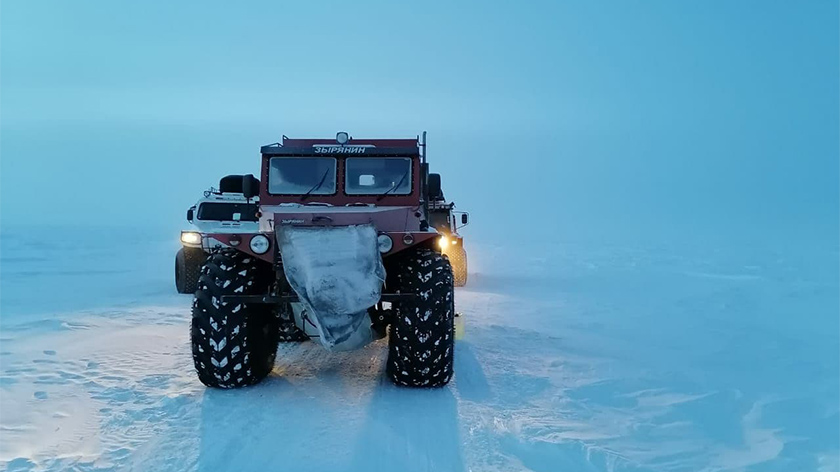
x=538, y=386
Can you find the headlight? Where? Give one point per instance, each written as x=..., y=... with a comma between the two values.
x=385, y=243
x=259, y=244
x=443, y=241
x=189, y=237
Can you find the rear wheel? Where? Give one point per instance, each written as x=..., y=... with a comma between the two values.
x=288, y=330
x=188, y=263
x=290, y=333
x=458, y=259
x=422, y=336
x=233, y=344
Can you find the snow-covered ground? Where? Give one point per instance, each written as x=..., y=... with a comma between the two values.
x=677, y=355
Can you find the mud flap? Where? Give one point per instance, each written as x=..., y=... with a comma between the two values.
x=337, y=273
x=459, y=326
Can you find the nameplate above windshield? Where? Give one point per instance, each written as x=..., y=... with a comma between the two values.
x=337, y=149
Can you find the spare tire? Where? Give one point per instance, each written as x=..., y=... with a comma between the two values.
x=230, y=184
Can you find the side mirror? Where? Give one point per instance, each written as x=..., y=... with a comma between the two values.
x=190, y=214
x=465, y=218
x=435, y=192
x=250, y=186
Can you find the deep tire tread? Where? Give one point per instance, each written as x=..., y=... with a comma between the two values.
x=233, y=344
x=458, y=259
x=288, y=332
x=422, y=335
x=188, y=264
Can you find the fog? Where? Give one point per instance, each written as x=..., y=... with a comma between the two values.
x=544, y=119
x=654, y=190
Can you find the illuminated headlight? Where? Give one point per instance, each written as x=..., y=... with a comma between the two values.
x=260, y=244
x=443, y=241
x=385, y=243
x=190, y=237
x=342, y=137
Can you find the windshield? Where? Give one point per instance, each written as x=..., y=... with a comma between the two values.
x=302, y=175
x=439, y=220
x=372, y=176
x=227, y=211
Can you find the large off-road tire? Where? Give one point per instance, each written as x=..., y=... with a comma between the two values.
x=288, y=330
x=458, y=259
x=290, y=333
x=422, y=338
x=233, y=344
x=188, y=264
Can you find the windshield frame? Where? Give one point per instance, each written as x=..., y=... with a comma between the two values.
x=304, y=149
x=388, y=192
x=335, y=170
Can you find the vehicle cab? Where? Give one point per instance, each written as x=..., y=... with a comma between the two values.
x=220, y=211
x=342, y=182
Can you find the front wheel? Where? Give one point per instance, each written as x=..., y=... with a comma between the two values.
x=288, y=330
x=233, y=344
x=422, y=337
x=188, y=263
x=458, y=259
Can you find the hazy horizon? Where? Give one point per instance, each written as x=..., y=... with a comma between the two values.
x=704, y=116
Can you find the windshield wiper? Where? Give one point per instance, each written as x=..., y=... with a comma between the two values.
x=316, y=187
x=395, y=186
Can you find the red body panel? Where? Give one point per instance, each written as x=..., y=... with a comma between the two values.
x=390, y=143
x=396, y=237
x=398, y=216
x=244, y=245
x=383, y=218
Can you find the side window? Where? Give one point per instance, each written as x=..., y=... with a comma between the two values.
x=439, y=220
x=212, y=211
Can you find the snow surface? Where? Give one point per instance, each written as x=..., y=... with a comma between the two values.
x=578, y=356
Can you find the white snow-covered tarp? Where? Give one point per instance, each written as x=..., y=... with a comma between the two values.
x=337, y=273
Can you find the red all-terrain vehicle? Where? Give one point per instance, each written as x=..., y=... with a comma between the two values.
x=345, y=252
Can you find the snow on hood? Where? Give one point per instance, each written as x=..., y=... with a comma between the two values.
x=337, y=273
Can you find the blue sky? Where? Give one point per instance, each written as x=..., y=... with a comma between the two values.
x=642, y=112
